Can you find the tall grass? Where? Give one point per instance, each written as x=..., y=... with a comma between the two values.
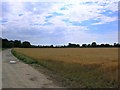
x=96, y=68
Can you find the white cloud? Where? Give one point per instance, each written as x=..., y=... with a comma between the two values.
x=57, y=21
x=33, y=18
x=104, y=19
x=78, y=12
x=81, y=12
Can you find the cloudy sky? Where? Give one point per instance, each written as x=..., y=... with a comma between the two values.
x=75, y=21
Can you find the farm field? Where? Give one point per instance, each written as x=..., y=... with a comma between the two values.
x=77, y=67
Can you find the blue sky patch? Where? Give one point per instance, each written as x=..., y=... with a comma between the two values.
x=57, y=14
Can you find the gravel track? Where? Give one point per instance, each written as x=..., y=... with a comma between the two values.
x=22, y=75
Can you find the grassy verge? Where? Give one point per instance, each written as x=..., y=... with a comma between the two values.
x=23, y=58
x=74, y=74
x=1, y=49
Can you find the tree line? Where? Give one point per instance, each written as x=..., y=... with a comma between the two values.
x=18, y=44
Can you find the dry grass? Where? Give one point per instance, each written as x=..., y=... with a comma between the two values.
x=100, y=61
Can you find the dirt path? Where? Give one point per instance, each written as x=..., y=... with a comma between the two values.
x=21, y=75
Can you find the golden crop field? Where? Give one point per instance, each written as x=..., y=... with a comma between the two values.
x=103, y=56
x=82, y=61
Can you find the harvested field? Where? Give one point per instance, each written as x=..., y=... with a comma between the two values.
x=78, y=67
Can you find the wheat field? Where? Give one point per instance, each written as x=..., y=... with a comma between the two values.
x=98, y=61
x=105, y=56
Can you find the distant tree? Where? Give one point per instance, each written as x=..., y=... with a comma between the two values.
x=107, y=45
x=84, y=45
x=17, y=43
x=77, y=45
x=73, y=45
x=88, y=45
x=26, y=44
x=116, y=45
x=0, y=42
x=5, y=43
x=102, y=45
x=51, y=46
x=94, y=44
x=70, y=45
x=10, y=44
